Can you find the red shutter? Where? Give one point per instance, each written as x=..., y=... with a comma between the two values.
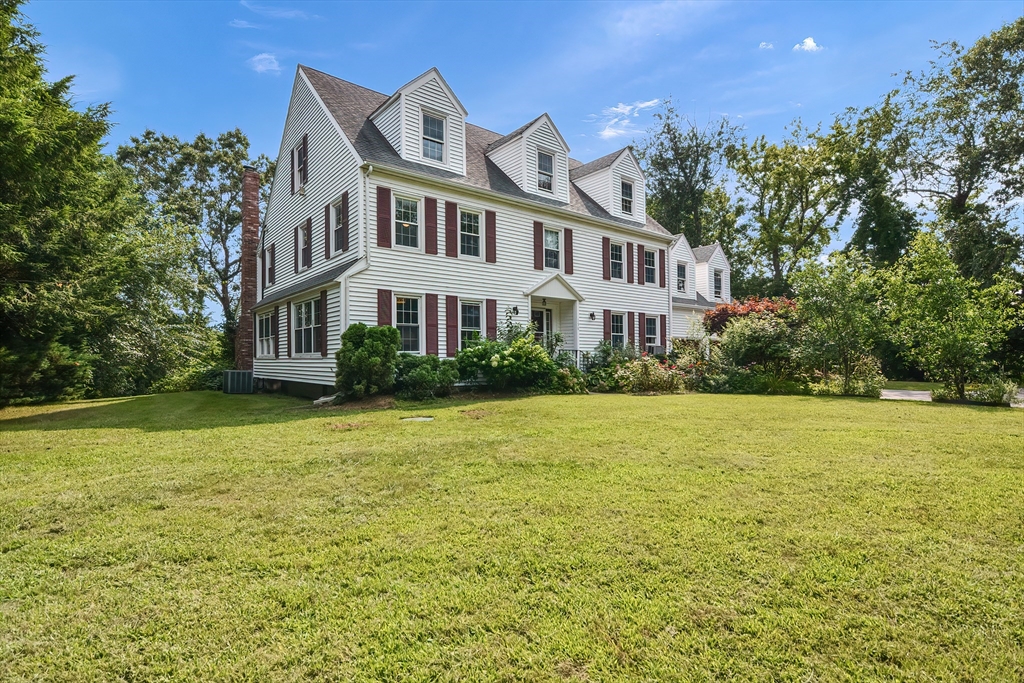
x=451, y=229
x=451, y=319
x=661, y=266
x=538, y=245
x=275, y=322
x=295, y=246
x=273, y=267
x=307, y=246
x=327, y=231
x=431, y=300
x=641, y=265
x=383, y=307
x=629, y=262
x=288, y=329
x=292, y=175
x=607, y=325
x=255, y=333
x=263, y=271
x=383, y=217
x=567, y=237
x=430, y=223
x=632, y=327
x=323, y=323
x=606, y=258
x=664, y=334
x=642, y=330
x=491, y=221
x=344, y=221
x=304, y=168
x=492, y=319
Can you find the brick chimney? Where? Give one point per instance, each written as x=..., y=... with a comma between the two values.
x=244, y=342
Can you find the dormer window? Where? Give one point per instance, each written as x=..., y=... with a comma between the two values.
x=681, y=277
x=627, y=197
x=545, y=172
x=718, y=284
x=433, y=137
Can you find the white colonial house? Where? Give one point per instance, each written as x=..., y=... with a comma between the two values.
x=394, y=210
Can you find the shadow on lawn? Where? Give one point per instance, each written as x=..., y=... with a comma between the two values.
x=193, y=410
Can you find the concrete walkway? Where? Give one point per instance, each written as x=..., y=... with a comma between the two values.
x=906, y=395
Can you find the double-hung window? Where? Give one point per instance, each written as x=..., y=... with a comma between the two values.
x=433, y=137
x=627, y=197
x=407, y=223
x=545, y=172
x=651, y=333
x=718, y=284
x=339, y=226
x=615, y=256
x=552, y=250
x=407, y=317
x=618, y=330
x=469, y=330
x=305, y=246
x=469, y=233
x=306, y=326
x=265, y=334
x=680, y=277
x=650, y=270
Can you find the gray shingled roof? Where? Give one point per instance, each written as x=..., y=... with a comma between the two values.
x=513, y=135
x=316, y=281
x=351, y=104
x=702, y=254
x=698, y=302
x=594, y=166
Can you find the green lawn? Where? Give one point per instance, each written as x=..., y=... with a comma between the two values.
x=209, y=537
x=913, y=386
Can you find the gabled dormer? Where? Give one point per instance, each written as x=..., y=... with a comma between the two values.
x=425, y=122
x=536, y=157
x=616, y=182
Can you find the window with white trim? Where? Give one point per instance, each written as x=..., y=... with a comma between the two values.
x=407, y=321
x=545, y=172
x=651, y=331
x=618, y=330
x=469, y=233
x=469, y=318
x=552, y=248
x=627, y=197
x=300, y=153
x=433, y=137
x=615, y=257
x=650, y=269
x=265, y=334
x=306, y=326
x=339, y=226
x=305, y=246
x=407, y=223
x=718, y=284
x=680, y=277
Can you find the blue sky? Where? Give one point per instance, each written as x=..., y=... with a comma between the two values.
x=599, y=69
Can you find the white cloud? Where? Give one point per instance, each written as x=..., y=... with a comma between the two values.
x=766, y=46
x=807, y=45
x=618, y=121
x=241, y=23
x=264, y=63
x=274, y=12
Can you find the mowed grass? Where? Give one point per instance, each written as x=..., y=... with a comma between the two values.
x=209, y=537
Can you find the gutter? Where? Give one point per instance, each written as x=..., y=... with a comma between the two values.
x=505, y=199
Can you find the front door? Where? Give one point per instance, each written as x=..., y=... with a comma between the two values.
x=541, y=319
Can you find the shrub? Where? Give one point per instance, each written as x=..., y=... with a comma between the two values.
x=604, y=362
x=366, y=361
x=425, y=377
x=647, y=374
x=717, y=319
x=994, y=392
x=567, y=380
x=203, y=373
x=866, y=380
x=519, y=364
x=762, y=342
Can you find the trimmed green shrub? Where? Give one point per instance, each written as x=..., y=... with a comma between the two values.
x=425, y=377
x=519, y=364
x=366, y=361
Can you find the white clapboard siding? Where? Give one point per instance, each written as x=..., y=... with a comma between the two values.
x=543, y=137
x=509, y=158
x=431, y=97
x=416, y=273
x=389, y=123
x=314, y=369
x=706, y=277
x=626, y=168
x=681, y=253
x=598, y=187
x=333, y=169
x=687, y=323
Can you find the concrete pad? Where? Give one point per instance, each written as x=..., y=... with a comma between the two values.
x=906, y=395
